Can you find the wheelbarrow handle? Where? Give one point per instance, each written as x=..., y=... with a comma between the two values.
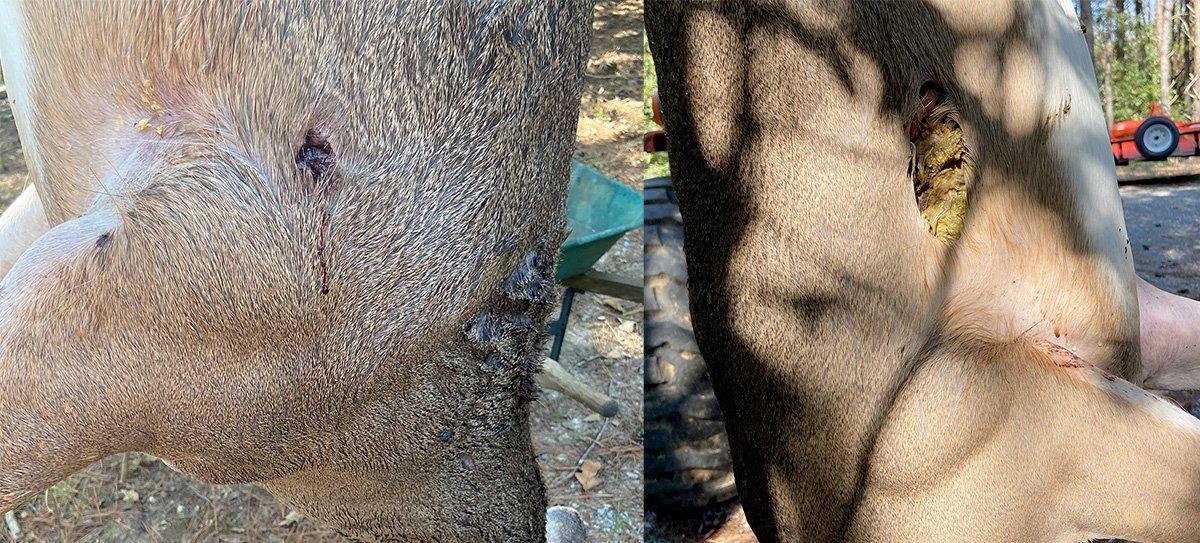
x=553, y=376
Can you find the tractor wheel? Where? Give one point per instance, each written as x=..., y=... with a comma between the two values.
x=1156, y=138
x=686, y=451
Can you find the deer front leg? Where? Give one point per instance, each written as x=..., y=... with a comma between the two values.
x=54, y=416
x=20, y=224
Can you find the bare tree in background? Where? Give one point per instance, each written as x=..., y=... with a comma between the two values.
x=1182, y=78
x=1117, y=37
x=1162, y=30
x=1194, y=30
x=1089, y=27
x=1109, y=39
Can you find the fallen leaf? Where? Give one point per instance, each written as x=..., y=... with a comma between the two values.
x=142, y=124
x=627, y=326
x=129, y=495
x=586, y=474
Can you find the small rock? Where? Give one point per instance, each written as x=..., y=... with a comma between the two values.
x=291, y=518
x=563, y=525
x=14, y=529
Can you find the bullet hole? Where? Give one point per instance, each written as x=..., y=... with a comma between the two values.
x=316, y=155
x=941, y=166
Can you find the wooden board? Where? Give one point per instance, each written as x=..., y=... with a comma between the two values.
x=609, y=284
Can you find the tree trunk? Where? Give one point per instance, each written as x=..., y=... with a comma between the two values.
x=1089, y=27
x=1109, y=39
x=1181, y=69
x=1162, y=28
x=1118, y=36
x=1194, y=18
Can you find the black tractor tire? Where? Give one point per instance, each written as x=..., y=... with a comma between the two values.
x=1159, y=143
x=686, y=452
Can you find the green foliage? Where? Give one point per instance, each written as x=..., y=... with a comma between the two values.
x=649, y=85
x=656, y=163
x=1135, y=71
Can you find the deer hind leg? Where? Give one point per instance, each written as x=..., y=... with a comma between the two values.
x=1170, y=336
x=1026, y=442
x=21, y=223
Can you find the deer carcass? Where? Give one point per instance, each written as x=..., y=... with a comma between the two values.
x=910, y=276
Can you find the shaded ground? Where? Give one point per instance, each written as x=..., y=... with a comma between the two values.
x=610, y=115
x=12, y=165
x=1156, y=171
x=1164, y=230
x=135, y=497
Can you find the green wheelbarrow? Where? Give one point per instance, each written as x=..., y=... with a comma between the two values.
x=600, y=210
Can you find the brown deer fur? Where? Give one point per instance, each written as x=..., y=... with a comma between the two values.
x=304, y=244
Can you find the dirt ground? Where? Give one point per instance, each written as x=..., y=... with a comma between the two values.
x=135, y=497
x=1164, y=231
x=604, y=341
